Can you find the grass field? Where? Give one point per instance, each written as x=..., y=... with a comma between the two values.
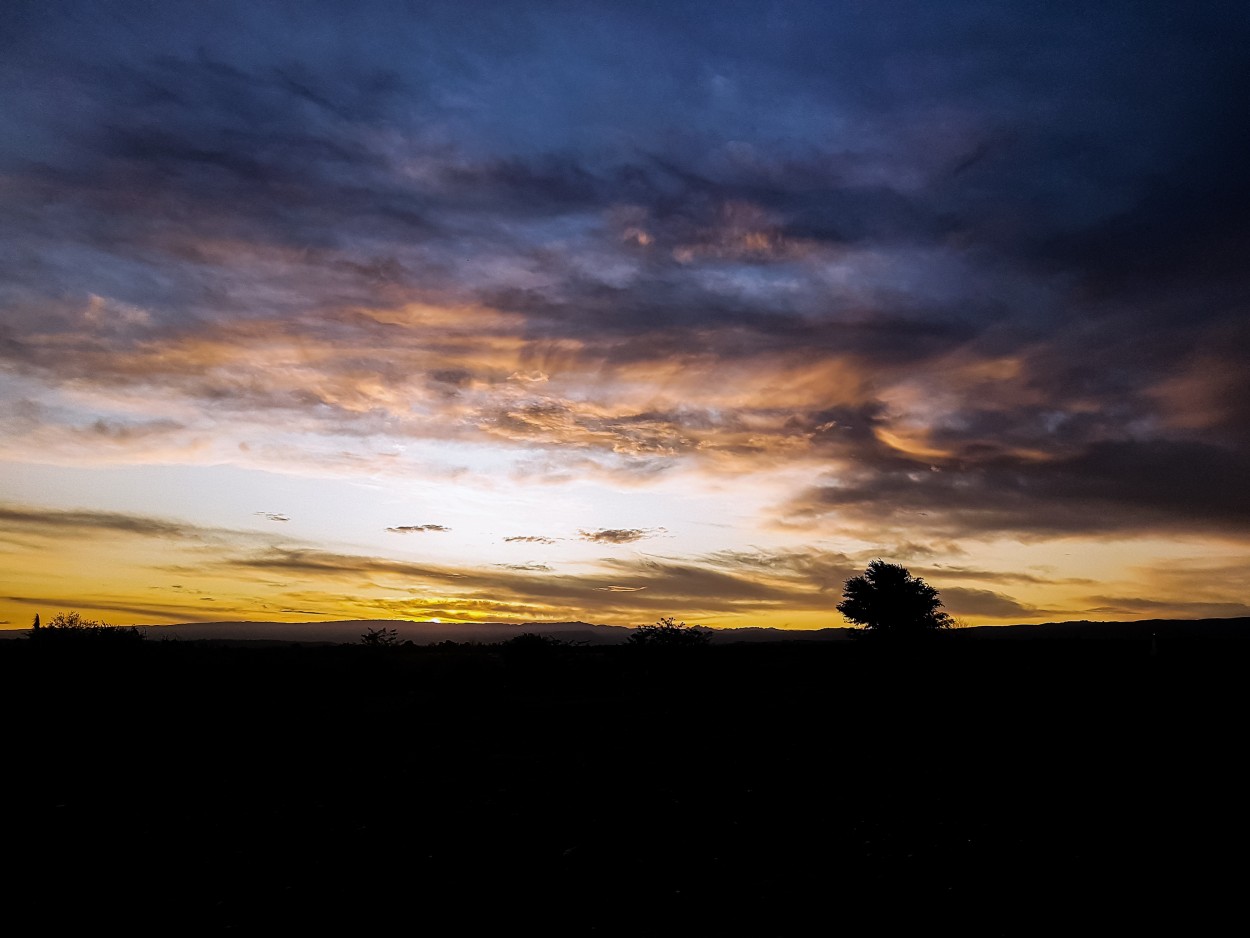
x=779, y=789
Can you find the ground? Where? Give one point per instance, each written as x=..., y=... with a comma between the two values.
x=772, y=790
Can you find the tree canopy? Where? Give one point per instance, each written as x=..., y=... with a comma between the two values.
x=887, y=600
x=669, y=633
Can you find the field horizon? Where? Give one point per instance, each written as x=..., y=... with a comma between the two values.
x=996, y=787
x=424, y=632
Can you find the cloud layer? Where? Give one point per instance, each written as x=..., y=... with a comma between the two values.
x=898, y=273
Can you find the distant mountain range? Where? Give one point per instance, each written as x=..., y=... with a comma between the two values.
x=427, y=633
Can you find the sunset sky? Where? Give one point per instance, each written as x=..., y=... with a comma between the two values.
x=617, y=310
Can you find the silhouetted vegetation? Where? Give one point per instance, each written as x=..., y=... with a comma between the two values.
x=531, y=641
x=888, y=601
x=530, y=645
x=986, y=787
x=380, y=638
x=667, y=632
x=71, y=627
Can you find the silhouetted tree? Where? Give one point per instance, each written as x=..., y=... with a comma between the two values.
x=35, y=624
x=669, y=633
x=380, y=638
x=73, y=620
x=887, y=600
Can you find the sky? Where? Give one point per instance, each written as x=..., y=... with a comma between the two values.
x=611, y=311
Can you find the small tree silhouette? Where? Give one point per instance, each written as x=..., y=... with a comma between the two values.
x=380, y=638
x=888, y=600
x=669, y=633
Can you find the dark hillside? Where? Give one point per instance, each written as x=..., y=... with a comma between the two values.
x=993, y=788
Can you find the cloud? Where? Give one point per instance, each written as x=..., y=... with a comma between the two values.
x=961, y=601
x=529, y=539
x=164, y=611
x=1106, y=488
x=617, y=535
x=801, y=569
x=319, y=563
x=50, y=522
x=417, y=528
x=947, y=572
x=1134, y=607
x=643, y=584
x=687, y=582
x=272, y=516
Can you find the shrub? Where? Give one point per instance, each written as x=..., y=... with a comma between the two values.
x=71, y=627
x=669, y=633
x=380, y=638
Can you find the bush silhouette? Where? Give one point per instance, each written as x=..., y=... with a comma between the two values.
x=380, y=638
x=531, y=643
x=887, y=600
x=65, y=627
x=669, y=633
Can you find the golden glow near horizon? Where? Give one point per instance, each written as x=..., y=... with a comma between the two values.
x=597, y=319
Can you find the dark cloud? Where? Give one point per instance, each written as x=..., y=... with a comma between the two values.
x=961, y=601
x=1108, y=488
x=529, y=539
x=616, y=535
x=417, y=528
x=55, y=523
x=168, y=612
x=337, y=566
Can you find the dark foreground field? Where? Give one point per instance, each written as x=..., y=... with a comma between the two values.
x=791, y=789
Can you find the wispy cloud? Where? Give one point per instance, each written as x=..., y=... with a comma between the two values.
x=1136, y=607
x=417, y=528
x=95, y=604
x=52, y=522
x=616, y=535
